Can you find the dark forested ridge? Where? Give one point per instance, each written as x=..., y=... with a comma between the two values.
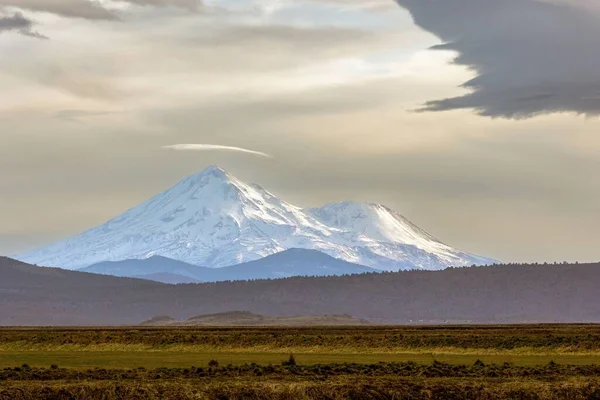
x=499, y=294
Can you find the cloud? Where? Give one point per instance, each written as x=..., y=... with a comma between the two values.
x=66, y=8
x=215, y=147
x=78, y=115
x=19, y=23
x=189, y=4
x=16, y=22
x=88, y=9
x=364, y=5
x=531, y=57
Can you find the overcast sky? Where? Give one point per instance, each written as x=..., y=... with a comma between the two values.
x=476, y=119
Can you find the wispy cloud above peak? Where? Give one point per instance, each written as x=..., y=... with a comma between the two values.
x=215, y=147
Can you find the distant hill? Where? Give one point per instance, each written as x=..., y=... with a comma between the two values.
x=155, y=268
x=31, y=295
x=171, y=279
x=289, y=263
x=293, y=262
x=17, y=275
x=245, y=318
x=501, y=294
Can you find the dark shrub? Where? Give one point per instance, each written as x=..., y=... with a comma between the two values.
x=291, y=362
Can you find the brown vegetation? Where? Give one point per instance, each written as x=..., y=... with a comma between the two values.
x=360, y=339
x=293, y=382
x=292, y=378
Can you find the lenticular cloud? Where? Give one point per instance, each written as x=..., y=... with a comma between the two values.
x=215, y=147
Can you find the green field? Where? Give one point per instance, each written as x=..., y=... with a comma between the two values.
x=184, y=347
x=540, y=362
x=179, y=359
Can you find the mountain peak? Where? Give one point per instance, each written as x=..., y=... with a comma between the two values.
x=213, y=171
x=210, y=176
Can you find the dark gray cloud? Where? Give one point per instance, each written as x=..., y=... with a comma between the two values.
x=531, y=57
x=19, y=23
x=15, y=22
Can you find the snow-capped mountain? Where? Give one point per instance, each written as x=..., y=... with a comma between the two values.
x=212, y=219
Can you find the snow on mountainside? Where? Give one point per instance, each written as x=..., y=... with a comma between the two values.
x=212, y=219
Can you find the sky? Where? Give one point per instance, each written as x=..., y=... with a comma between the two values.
x=475, y=119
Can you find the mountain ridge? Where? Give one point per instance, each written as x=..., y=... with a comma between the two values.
x=213, y=219
x=37, y=296
x=288, y=263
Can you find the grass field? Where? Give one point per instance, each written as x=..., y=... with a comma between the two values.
x=184, y=347
x=157, y=359
x=487, y=362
